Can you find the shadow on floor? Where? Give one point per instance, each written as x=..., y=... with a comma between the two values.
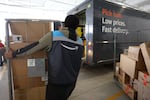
x=96, y=70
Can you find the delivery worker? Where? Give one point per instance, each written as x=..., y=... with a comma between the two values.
x=64, y=58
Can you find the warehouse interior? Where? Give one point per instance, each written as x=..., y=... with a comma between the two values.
x=35, y=9
x=124, y=78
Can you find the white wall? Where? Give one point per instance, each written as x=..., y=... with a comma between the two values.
x=2, y=29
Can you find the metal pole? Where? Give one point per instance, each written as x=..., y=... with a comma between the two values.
x=10, y=80
x=115, y=47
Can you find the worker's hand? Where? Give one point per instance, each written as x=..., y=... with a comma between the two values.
x=9, y=54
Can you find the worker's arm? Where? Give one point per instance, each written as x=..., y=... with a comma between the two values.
x=45, y=41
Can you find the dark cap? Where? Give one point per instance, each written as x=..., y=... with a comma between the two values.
x=57, y=24
x=71, y=21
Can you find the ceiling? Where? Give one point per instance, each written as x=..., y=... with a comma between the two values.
x=47, y=9
x=143, y=5
x=52, y=9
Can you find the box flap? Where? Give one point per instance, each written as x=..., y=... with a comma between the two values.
x=145, y=47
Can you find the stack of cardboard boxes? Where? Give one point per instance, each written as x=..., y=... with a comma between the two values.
x=133, y=72
x=29, y=70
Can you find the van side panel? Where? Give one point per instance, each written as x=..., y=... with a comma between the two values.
x=116, y=28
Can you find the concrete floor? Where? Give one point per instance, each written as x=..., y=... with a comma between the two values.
x=97, y=83
x=4, y=84
x=94, y=83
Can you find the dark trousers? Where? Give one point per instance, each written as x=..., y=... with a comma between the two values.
x=1, y=55
x=59, y=92
x=1, y=61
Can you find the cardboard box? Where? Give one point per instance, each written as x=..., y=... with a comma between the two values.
x=20, y=75
x=128, y=65
x=144, y=78
x=121, y=76
x=30, y=30
x=145, y=47
x=127, y=80
x=146, y=94
x=20, y=69
x=15, y=46
x=37, y=93
x=134, y=52
x=143, y=92
x=130, y=92
x=19, y=28
x=17, y=38
x=35, y=30
x=27, y=88
x=38, y=54
x=135, y=85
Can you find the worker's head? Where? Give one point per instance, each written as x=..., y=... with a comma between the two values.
x=57, y=25
x=71, y=21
